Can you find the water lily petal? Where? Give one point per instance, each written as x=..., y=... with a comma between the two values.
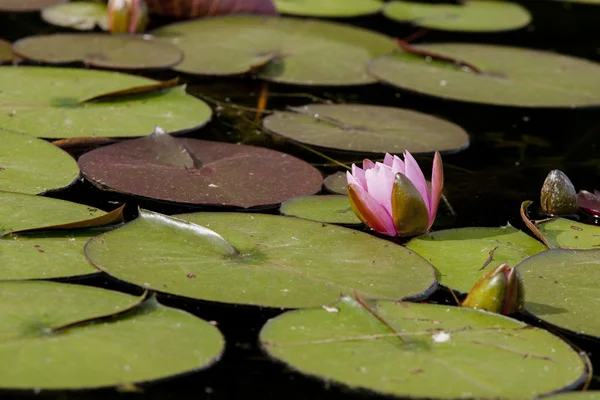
x=398, y=165
x=369, y=211
x=409, y=211
x=437, y=184
x=359, y=176
x=414, y=173
x=380, y=181
x=589, y=202
x=388, y=159
x=367, y=164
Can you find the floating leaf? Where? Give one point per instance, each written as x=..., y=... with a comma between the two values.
x=30, y=165
x=302, y=263
x=80, y=15
x=461, y=256
x=45, y=102
x=203, y=8
x=561, y=288
x=329, y=8
x=587, y=395
x=510, y=76
x=566, y=234
x=333, y=209
x=336, y=183
x=6, y=54
x=466, y=16
x=230, y=174
x=27, y=6
x=99, y=50
x=367, y=129
x=149, y=342
x=439, y=351
x=21, y=212
x=303, y=52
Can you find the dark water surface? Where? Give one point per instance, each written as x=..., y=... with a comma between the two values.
x=510, y=154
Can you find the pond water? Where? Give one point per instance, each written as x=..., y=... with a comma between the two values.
x=511, y=151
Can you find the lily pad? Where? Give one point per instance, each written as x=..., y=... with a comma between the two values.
x=561, y=288
x=27, y=6
x=461, y=256
x=229, y=174
x=31, y=165
x=566, y=234
x=511, y=76
x=99, y=50
x=336, y=183
x=41, y=330
x=587, y=395
x=367, y=129
x=423, y=351
x=329, y=8
x=302, y=52
x=45, y=102
x=279, y=261
x=6, y=54
x=20, y=212
x=333, y=209
x=80, y=15
x=467, y=16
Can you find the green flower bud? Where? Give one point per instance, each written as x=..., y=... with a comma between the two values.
x=558, y=196
x=501, y=291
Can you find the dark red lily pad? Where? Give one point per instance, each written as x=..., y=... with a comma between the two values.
x=589, y=202
x=27, y=5
x=200, y=172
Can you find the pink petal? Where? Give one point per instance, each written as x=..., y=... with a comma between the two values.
x=414, y=173
x=388, y=159
x=370, y=211
x=437, y=183
x=398, y=166
x=367, y=164
x=359, y=176
x=380, y=182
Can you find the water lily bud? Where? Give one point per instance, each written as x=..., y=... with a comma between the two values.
x=558, y=195
x=501, y=291
x=127, y=16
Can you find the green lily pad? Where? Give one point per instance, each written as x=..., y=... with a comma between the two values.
x=6, y=54
x=46, y=102
x=333, y=209
x=561, y=288
x=45, y=256
x=461, y=256
x=329, y=8
x=302, y=52
x=27, y=6
x=99, y=50
x=80, y=15
x=367, y=129
x=423, y=351
x=33, y=166
x=587, y=395
x=467, y=16
x=511, y=76
x=336, y=183
x=566, y=234
x=302, y=263
x=143, y=342
x=20, y=212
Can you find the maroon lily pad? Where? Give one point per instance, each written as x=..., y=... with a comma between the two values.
x=27, y=5
x=589, y=202
x=203, y=8
x=223, y=174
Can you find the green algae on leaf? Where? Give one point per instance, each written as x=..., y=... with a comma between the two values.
x=302, y=263
x=423, y=351
x=51, y=327
x=45, y=102
x=461, y=256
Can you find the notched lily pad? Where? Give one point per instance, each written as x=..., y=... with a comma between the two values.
x=561, y=288
x=54, y=331
x=329, y=8
x=33, y=166
x=566, y=234
x=510, y=76
x=423, y=351
x=302, y=263
x=333, y=209
x=196, y=171
x=467, y=16
x=366, y=129
x=46, y=102
x=461, y=256
x=336, y=183
x=80, y=15
x=99, y=50
x=289, y=50
x=27, y=6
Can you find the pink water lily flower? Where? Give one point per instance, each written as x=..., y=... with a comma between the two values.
x=393, y=197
